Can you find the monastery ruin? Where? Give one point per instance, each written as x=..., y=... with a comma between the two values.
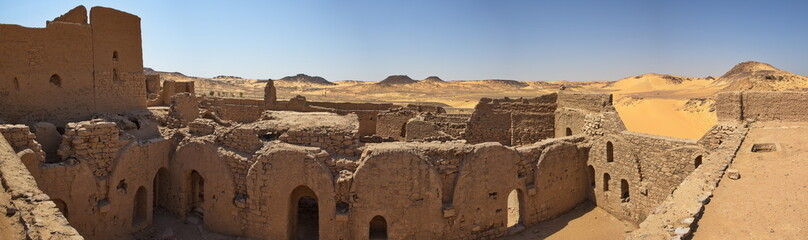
x=91, y=148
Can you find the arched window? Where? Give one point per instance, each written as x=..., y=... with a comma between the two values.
x=592, y=175
x=624, y=190
x=56, y=80
x=115, y=56
x=606, y=179
x=697, y=162
x=16, y=84
x=569, y=132
x=609, y=152
x=378, y=228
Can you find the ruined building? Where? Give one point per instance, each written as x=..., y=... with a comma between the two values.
x=91, y=148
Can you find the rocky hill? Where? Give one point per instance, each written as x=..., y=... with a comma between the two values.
x=303, y=78
x=761, y=77
x=397, y=79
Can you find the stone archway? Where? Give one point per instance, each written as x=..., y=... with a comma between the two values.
x=515, y=209
x=378, y=228
x=196, y=186
x=304, y=214
x=160, y=189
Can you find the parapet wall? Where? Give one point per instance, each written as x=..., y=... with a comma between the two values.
x=762, y=106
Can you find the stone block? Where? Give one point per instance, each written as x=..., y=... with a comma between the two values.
x=733, y=174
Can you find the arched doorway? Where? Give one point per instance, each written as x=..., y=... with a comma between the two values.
x=196, y=185
x=304, y=214
x=140, y=206
x=515, y=216
x=378, y=228
x=697, y=162
x=569, y=132
x=61, y=205
x=160, y=189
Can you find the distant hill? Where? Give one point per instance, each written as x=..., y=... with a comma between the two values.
x=303, y=78
x=432, y=79
x=761, y=77
x=397, y=79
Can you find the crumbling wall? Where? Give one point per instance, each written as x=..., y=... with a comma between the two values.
x=452, y=124
x=237, y=110
x=573, y=107
x=393, y=123
x=344, y=143
x=27, y=212
x=762, y=106
x=512, y=121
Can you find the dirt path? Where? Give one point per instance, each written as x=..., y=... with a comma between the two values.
x=584, y=222
x=769, y=200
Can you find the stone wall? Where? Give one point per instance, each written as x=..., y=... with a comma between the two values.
x=632, y=173
x=762, y=106
x=237, y=110
x=104, y=72
x=512, y=121
x=574, y=107
x=452, y=124
x=343, y=143
x=392, y=124
x=678, y=214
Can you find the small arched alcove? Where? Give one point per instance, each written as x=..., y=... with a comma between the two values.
x=592, y=176
x=140, y=208
x=378, y=228
x=115, y=56
x=56, y=80
x=304, y=214
x=609, y=152
x=606, y=178
x=568, y=132
x=697, y=162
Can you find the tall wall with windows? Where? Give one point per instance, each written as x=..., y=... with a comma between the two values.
x=72, y=68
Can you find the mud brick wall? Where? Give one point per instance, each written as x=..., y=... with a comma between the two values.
x=243, y=138
x=452, y=124
x=393, y=123
x=512, y=121
x=237, y=110
x=95, y=143
x=344, y=143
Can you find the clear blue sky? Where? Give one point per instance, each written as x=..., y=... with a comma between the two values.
x=522, y=40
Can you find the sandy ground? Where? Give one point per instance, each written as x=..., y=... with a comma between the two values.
x=769, y=200
x=582, y=223
x=169, y=227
